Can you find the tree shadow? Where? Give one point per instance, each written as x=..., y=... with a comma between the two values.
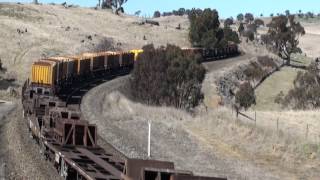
x=296, y=61
x=5, y=84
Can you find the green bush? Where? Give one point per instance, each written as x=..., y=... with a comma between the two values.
x=230, y=35
x=168, y=76
x=279, y=98
x=205, y=30
x=228, y=22
x=266, y=61
x=156, y=14
x=306, y=91
x=254, y=71
x=245, y=96
x=248, y=34
x=241, y=29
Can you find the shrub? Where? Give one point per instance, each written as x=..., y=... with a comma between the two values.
x=279, y=98
x=254, y=71
x=137, y=13
x=178, y=27
x=249, y=34
x=306, y=91
x=106, y=5
x=240, y=17
x=105, y=44
x=266, y=61
x=245, y=96
x=205, y=29
x=168, y=76
x=248, y=17
x=265, y=38
x=228, y=22
x=167, y=14
x=181, y=12
x=252, y=27
x=241, y=28
x=156, y=14
x=230, y=35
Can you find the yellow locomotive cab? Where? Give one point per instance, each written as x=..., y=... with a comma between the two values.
x=136, y=53
x=43, y=72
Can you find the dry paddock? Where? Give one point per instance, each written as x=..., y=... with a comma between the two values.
x=207, y=143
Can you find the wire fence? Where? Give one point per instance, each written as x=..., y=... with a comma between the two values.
x=306, y=131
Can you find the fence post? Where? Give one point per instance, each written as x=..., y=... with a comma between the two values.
x=149, y=139
x=307, y=131
x=232, y=110
x=255, y=118
x=237, y=113
x=277, y=125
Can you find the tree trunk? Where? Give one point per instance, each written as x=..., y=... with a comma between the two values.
x=288, y=61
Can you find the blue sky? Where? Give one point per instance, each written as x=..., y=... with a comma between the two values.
x=226, y=8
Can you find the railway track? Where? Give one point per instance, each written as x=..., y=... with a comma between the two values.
x=67, y=140
x=73, y=97
x=77, y=162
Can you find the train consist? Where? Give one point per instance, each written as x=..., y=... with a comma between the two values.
x=69, y=141
x=215, y=54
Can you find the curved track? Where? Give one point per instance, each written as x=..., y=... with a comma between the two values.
x=52, y=125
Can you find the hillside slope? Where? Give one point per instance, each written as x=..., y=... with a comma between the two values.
x=309, y=43
x=29, y=32
x=47, y=30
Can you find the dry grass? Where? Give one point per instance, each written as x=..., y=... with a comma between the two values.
x=212, y=141
x=215, y=140
x=271, y=150
x=48, y=33
x=309, y=42
x=279, y=81
x=266, y=93
x=292, y=123
x=217, y=69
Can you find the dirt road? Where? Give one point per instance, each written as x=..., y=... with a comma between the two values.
x=19, y=153
x=5, y=108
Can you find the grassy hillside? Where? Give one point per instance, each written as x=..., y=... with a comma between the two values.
x=47, y=30
x=279, y=81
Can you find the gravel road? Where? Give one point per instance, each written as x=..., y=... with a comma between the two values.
x=5, y=108
x=19, y=154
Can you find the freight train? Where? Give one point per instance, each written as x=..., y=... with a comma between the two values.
x=66, y=139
